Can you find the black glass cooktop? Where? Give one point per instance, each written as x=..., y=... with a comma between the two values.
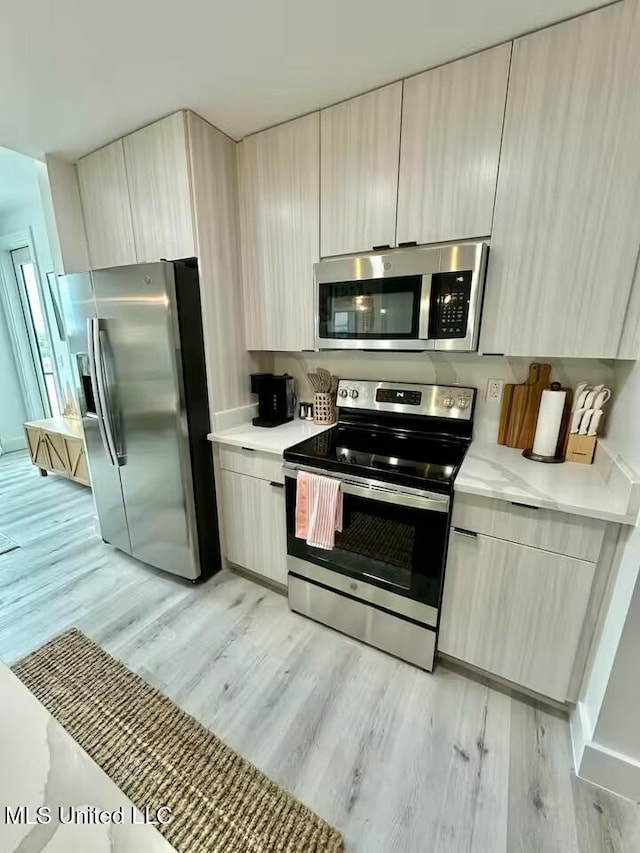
x=410, y=459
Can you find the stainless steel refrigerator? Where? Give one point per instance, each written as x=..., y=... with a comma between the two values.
x=135, y=334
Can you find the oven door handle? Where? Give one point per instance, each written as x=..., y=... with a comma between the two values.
x=425, y=308
x=376, y=490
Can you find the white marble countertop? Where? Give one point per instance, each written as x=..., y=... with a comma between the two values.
x=41, y=765
x=496, y=471
x=268, y=439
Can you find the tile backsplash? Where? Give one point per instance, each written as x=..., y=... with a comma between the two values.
x=445, y=369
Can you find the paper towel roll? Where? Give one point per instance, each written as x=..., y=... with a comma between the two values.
x=549, y=422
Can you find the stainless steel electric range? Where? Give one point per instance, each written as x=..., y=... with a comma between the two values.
x=396, y=450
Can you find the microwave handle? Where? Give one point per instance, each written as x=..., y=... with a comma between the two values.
x=425, y=307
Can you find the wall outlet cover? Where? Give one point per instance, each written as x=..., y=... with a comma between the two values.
x=495, y=388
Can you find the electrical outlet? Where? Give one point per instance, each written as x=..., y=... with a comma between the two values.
x=494, y=390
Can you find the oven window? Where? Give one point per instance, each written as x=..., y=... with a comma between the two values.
x=374, y=308
x=398, y=548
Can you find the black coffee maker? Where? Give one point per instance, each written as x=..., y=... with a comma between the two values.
x=276, y=399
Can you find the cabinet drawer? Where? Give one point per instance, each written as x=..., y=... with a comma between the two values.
x=255, y=525
x=514, y=611
x=255, y=463
x=560, y=532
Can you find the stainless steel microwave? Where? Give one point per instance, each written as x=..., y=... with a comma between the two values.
x=423, y=298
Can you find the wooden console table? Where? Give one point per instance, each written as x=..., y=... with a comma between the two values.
x=57, y=445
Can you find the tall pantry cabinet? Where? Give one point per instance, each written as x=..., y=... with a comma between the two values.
x=566, y=229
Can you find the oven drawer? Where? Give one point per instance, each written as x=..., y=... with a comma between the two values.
x=559, y=532
x=403, y=639
x=254, y=463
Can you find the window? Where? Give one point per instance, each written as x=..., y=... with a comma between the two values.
x=36, y=326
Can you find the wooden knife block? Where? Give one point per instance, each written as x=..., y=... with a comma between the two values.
x=581, y=448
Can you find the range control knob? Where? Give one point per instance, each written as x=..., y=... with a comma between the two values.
x=462, y=402
x=447, y=402
x=343, y=392
x=353, y=393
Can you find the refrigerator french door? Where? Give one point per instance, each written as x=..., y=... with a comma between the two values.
x=136, y=333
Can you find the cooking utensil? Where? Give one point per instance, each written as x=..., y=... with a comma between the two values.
x=595, y=422
x=314, y=379
x=525, y=405
x=519, y=401
x=577, y=420
x=601, y=397
x=581, y=397
x=325, y=379
x=577, y=394
x=505, y=413
x=586, y=421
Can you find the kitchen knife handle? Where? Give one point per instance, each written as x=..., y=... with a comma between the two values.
x=577, y=418
x=586, y=421
x=595, y=422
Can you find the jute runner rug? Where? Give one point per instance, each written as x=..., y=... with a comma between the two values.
x=159, y=755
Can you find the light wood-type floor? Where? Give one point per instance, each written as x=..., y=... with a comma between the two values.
x=398, y=760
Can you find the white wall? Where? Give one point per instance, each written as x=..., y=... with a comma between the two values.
x=457, y=369
x=12, y=409
x=607, y=722
x=624, y=432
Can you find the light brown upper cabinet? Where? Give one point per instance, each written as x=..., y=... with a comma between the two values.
x=105, y=204
x=359, y=149
x=159, y=185
x=567, y=220
x=279, y=172
x=452, y=121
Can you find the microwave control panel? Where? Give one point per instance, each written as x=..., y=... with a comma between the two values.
x=449, y=308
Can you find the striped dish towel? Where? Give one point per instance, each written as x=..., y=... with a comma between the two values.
x=318, y=510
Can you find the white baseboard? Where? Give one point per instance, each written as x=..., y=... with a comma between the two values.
x=611, y=770
x=602, y=766
x=580, y=733
x=13, y=443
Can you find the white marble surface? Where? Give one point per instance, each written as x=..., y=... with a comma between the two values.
x=268, y=439
x=496, y=471
x=41, y=765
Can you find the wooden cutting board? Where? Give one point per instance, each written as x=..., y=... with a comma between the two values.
x=519, y=403
x=525, y=405
x=505, y=413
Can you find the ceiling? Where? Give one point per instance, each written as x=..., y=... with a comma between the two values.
x=77, y=74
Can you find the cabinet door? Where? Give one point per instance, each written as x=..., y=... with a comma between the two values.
x=359, y=150
x=452, y=121
x=280, y=233
x=106, y=207
x=57, y=452
x=38, y=447
x=567, y=218
x=255, y=525
x=514, y=611
x=78, y=469
x=159, y=185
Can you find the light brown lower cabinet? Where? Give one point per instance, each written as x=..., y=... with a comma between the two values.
x=514, y=611
x=57, y=445
x=255, y=525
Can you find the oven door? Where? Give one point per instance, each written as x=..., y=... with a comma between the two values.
x=376, y=301
x=391, y=551
x=379, y=313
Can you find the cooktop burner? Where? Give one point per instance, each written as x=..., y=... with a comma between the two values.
x=382, y=455
x=381, y=436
